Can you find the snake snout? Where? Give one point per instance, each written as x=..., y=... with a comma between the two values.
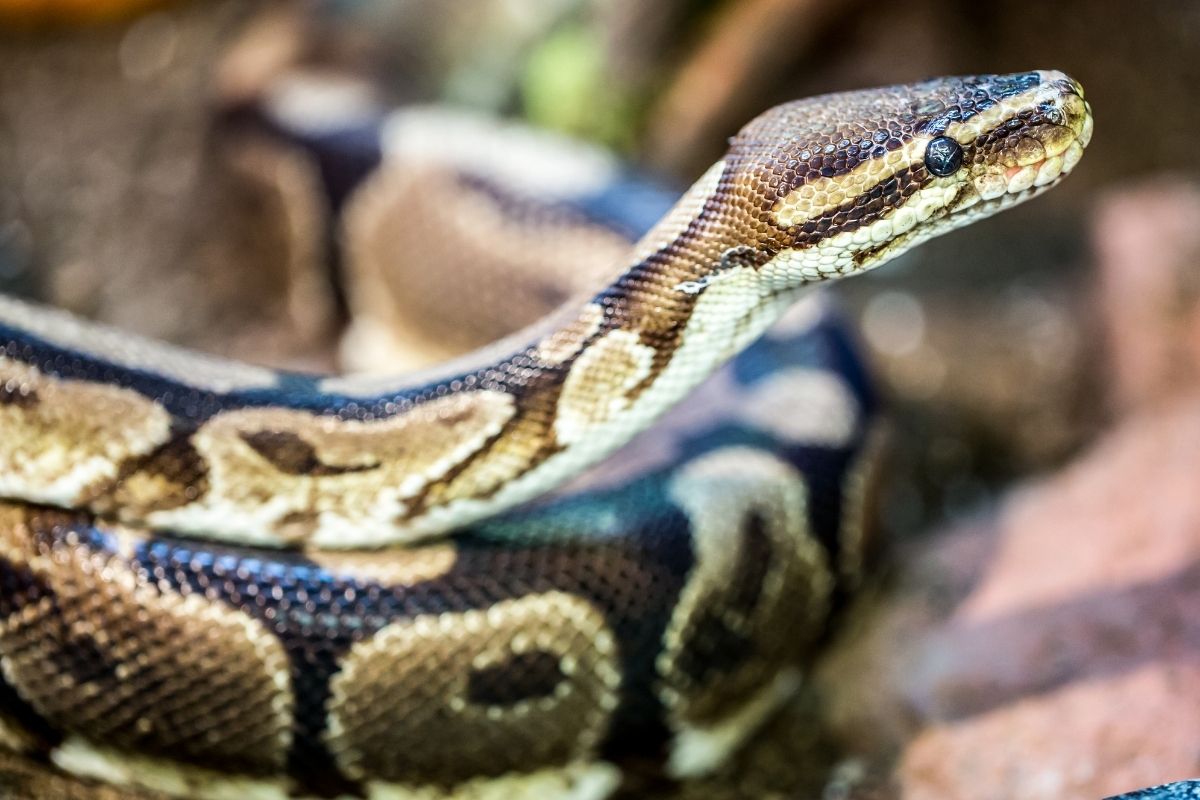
x=1042, y=138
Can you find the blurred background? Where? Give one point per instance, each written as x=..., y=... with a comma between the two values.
x=1032, y=632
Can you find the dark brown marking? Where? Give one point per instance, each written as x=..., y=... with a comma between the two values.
x=297, y=526
x=861, y=257
x=754, y=559
x=721, y=641
x=863, y=210
x=20, y=587
x=291, y=455
x=452, y=418
x=19, y=713
x=525, y=676
x=181, y=472
x=81, y=656
x=299, y=518
x=714, y=648
x=19, y=395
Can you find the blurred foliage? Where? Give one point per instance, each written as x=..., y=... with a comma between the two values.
x=565, y=86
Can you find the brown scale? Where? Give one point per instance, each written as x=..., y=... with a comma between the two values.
x=290, y=454
x=95, y=650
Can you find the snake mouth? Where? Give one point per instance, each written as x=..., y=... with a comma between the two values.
x=1044, y=172
x=1042, y=158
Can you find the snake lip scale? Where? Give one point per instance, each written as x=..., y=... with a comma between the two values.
x=220, y=580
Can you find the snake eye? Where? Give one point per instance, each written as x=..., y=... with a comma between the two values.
x=943, y=156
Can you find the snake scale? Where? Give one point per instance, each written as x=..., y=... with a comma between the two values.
x=221, y=580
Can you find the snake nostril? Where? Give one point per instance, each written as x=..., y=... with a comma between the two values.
x=1053, y=113
x=1067, y=85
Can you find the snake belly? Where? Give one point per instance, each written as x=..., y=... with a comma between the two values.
x=662, y=605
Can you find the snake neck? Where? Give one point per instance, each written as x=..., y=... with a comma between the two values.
x=584, y=385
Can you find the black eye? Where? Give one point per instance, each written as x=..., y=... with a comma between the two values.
x=943, y=156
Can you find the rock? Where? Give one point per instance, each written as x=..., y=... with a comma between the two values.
x=1147, y=244
x=1052, y=650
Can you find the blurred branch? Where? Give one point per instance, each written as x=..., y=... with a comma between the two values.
x=31, y=13
x=751, y=44
x=640, y=37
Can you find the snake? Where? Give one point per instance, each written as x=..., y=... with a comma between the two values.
x=617, y=533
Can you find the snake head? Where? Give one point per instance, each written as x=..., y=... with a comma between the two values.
x=842, y=183
x=1031, y=132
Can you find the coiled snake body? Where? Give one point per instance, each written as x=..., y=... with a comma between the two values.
x=218, y=579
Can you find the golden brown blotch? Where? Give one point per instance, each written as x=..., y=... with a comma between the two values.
x=761, y=584
x=524, y=443
x=292, y=471
x=109, y=656
x=598, y=385
x=289, y=453
x=63, y=437
x=408, y=690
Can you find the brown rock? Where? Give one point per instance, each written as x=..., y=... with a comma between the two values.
x=1088, y=739
x=1054, y=653
x=1147, y=243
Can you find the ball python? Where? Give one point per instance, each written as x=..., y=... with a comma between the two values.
x=220, y=580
